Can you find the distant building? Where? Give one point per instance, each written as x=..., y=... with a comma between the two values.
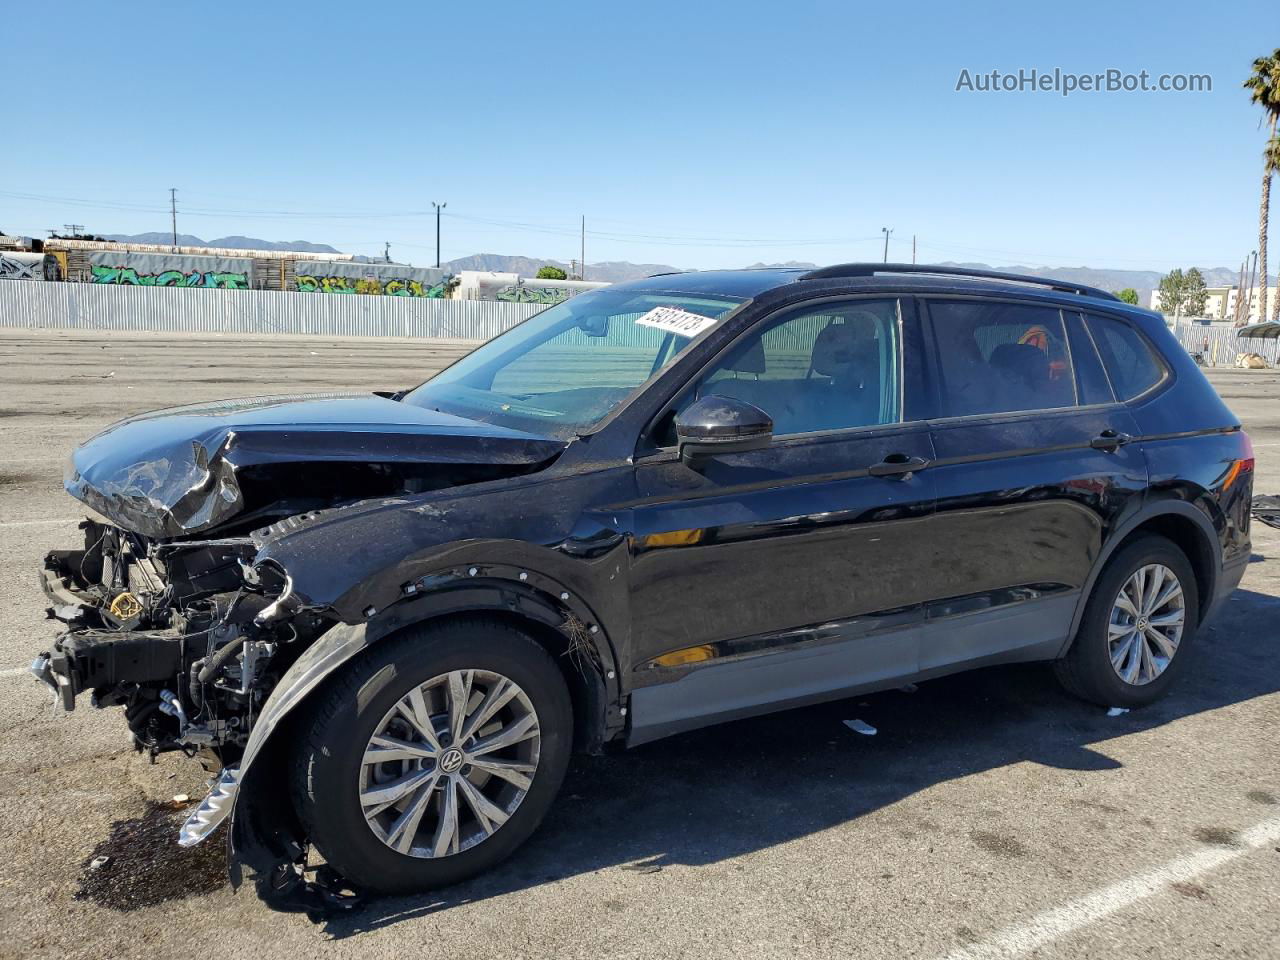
x=1221, y=303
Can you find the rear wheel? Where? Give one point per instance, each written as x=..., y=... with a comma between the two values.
x=434, y=756
x=1137, y=626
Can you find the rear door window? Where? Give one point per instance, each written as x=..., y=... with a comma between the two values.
x=1131, y=363
x=997, y=357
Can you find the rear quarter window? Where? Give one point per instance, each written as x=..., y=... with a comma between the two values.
x=1132, y=364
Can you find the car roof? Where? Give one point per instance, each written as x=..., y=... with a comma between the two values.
x=733, y=283
x=871, y=278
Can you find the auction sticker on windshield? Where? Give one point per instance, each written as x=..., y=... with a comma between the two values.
x=677, y=321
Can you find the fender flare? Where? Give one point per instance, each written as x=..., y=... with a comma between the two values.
x=258, y=836
x=1149, y=511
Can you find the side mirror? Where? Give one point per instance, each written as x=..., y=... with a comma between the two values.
x=714, y=425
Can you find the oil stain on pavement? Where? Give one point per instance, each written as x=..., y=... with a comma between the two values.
x=140, y=864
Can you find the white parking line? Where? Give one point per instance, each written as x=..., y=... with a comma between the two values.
x=1021, y=938
x=35, y=523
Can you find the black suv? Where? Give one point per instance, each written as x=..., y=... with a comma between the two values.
x=659, y=505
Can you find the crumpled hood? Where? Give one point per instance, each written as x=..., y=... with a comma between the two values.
x=173, y=473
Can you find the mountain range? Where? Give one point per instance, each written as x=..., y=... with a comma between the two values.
x=617, y=271
x=231, y=243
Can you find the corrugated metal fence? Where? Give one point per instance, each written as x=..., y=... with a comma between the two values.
x=1224, y=346
x=89, y=306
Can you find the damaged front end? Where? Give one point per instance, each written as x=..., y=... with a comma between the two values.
x=172, y=631
x=190, y=639
x=171, y=610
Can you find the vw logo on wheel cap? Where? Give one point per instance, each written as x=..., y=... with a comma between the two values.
x=451, y=760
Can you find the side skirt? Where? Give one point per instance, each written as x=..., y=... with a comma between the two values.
x=881, y=660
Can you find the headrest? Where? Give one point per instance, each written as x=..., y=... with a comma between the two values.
x=1023, y=361
x=841, y=347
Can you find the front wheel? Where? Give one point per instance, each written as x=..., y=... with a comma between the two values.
x=434, y=756
x=1137, y=626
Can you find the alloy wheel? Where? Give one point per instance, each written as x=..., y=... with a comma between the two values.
x=449, y=764
x=1146, y=624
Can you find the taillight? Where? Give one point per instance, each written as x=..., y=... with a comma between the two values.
x=1241, y=464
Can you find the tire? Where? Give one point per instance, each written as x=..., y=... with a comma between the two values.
x=330, y=773
x=1087, y=671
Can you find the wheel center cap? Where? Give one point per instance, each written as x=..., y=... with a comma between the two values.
x=451, y=760
x=1142, y=623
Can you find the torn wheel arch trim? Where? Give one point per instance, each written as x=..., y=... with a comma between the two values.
x=501, y=589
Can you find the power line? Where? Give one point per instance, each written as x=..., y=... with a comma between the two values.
x=574, y=230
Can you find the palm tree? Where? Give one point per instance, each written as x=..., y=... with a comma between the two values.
x=1264, y=90
x=1270, y=164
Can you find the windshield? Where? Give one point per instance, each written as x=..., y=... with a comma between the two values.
x=568, y=367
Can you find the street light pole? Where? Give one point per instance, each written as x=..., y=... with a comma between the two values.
x=439, y=207
x=886, y=231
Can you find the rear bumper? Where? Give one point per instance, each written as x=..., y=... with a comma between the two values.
x=1230, y=577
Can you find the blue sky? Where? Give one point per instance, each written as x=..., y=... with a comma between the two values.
x=696, y=134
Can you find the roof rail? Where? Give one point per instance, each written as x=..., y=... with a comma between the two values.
x=872, y=269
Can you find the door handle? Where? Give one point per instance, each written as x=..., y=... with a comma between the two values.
x=1110, y=440
x=897, y=465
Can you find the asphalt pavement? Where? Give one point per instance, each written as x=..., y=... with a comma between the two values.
x=990, y=816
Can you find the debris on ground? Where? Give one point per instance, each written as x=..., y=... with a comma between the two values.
x=646, y=867
x=861, y=726
x=908, y=688
x=1267, y=509
x=181, y=798
x=97, y=863
x=1117, y=711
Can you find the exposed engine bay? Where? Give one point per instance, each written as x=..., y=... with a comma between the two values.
x=172, y=631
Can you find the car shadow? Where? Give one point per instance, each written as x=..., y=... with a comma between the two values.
x=714, y=794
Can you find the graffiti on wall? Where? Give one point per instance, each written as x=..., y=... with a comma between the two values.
x=164, y=270
x=375, y=286
x=170, y=278
x=28, y=266
x=519, y=293
x=371, y=279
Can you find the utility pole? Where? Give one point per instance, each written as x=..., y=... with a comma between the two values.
x=173, y=214
x=886, y=231
x=73, y=229
x=439, y=207
x=913, y=248
x=583, y=252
